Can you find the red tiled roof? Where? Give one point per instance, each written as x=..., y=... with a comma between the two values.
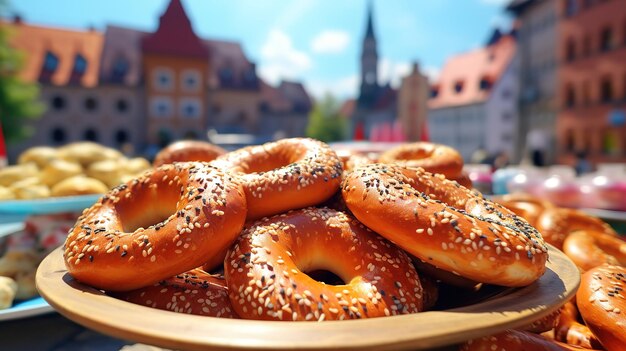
x=175, y=35
x=468, y=69
x=65, y=45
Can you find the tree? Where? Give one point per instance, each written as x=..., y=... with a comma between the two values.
x=325, y=122
x=18, y=99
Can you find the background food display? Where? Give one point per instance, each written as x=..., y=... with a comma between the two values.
x=75, y=169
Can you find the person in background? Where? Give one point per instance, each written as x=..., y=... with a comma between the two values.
x=582, y=163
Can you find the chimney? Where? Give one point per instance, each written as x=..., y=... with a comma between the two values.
x=17, y=19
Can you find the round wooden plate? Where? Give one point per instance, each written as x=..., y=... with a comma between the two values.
x=516, y=307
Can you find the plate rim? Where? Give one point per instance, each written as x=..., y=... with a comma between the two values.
x=14, y=313
x=44, y=205
x=217, y=333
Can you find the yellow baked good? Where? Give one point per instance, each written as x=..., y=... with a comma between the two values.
x=79, y=185
x=8, y=289
x=6, y=193
x=12, y=174
x=109, y=172
x=40, y=155
x=86, y=153
x=59, y=170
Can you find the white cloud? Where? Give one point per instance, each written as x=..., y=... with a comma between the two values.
x=342, y=88
x=495, y=2
x=330, y=42
x=432, y=73
x=280, y=59
x=392, y=72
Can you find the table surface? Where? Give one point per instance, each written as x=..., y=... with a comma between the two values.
x=57, y=333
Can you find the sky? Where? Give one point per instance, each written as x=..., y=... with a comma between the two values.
x=317, y=42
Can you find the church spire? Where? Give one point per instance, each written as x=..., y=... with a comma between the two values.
x=369, y=33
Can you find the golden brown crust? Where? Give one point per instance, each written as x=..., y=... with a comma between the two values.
x=284, y=175
x=187, y=151
x=569, y=331
x=543, y=324
x=434, y=158
x=526, y=206
x=555, y=224
x=351, y=160
x=265, y=270
x=446, y=225
x=601, y=302
x=168, y=221
x=514, y=340
x=193, y=292
x=589, y=249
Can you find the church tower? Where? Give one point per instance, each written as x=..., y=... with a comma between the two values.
x=369, y=64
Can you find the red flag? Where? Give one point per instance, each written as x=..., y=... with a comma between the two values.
x=424, y=134
x=359, y=133
x=3, y=149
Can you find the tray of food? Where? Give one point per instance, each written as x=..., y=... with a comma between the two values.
x=510, y=309
x=379, y=255
x=70, y=178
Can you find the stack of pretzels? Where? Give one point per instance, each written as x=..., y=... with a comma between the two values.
x=595, y=319
x=261, y=216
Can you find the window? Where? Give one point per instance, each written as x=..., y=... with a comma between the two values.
x=190, y=108
x=606, y=90
x=506, y=94
x=50, y=62
x=163, y=79
x=80, y=65
x=161, y=107
x=58, y=136
x=506, y=137
x=120, y=69
x=121, y=105
x=458, y=87
x=588, y=3
x=121, y=137
x=226, y=75
x=58, y=102
x=485, y=84
x=570, y=50
x=606, y=39
x=434, y=92
x=90, y=134
x=571, y=7
x=264, y=107
x=250, y=75
x=570, y=96
x=507, y=117
x=190, y=80
x=91, y=104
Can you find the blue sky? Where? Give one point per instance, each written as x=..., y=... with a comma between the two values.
x=315, y=41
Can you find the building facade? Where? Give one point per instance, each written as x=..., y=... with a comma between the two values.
x=473, y=105
x=591, y=120
x=138, y=91
x=412, y=104
x=536, y=26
